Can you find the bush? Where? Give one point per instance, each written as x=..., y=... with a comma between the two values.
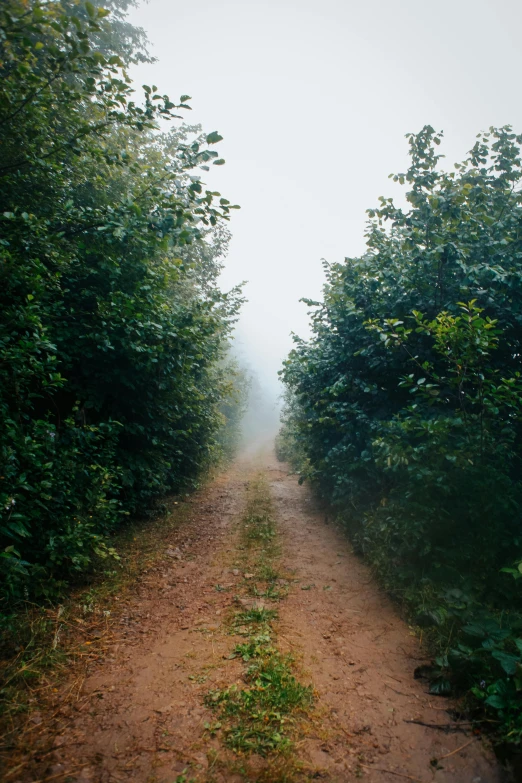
x=113, y=330
x=406, y=408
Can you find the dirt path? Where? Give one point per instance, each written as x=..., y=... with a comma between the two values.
x=361, y=657
x=141, y=713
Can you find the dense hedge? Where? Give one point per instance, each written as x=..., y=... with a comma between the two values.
x=404, y=409
x=113, y=331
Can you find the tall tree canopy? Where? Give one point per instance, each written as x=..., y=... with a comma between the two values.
x=113, y=330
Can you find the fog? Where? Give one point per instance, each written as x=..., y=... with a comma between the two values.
x=313, y=100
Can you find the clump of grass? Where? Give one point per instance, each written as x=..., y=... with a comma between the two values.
x=256, y=647
x=260, y=714
x=267, y=572
x=271, y=592
x=259, y=527
x=255, y=616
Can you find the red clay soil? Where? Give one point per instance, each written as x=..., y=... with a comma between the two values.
x=140, y=716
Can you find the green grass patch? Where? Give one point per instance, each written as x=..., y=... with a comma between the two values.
x=255, y=615
x=261, y=716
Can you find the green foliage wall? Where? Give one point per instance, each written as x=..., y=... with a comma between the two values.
x=112, y=326
x=404, y=408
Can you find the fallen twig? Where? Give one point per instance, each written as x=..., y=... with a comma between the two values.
x=457, y=749
x=15, y=769
x=441, y=726
x=61, y=774
x=391, y=772
x=401, y=693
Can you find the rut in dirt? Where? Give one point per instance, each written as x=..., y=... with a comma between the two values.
x=172, y=701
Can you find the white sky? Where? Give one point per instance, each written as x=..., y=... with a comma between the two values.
x=313, y=98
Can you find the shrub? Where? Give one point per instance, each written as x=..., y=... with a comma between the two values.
x=405, y=408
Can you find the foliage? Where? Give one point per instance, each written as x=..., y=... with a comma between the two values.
x=258, y=712
x=113, y=330
x=233, y=407
x=288, y=442
x=404, y=409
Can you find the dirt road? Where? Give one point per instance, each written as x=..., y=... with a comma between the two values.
x=143, y=713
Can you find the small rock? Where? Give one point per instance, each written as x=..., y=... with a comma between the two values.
x=249, y=576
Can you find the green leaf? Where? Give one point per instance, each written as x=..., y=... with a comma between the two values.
x=214, y=137
x=498, y=702
x=507, y=661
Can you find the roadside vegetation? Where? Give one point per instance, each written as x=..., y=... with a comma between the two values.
x=404, y=411
x=115, y=380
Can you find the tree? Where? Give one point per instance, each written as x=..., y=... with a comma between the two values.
x=112, y=327
x=405, y=407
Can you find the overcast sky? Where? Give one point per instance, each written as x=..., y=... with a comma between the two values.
x=313, y=98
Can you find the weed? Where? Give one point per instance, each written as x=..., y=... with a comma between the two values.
x=271, y=592
x=184, y=779
x=198, y=678
x=260, y=713
x=255, y=616
x=267, y=572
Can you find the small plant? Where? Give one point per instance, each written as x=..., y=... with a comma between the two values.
x=259, y=715
x=271, y=592
x=184, y=779
x=255, y=616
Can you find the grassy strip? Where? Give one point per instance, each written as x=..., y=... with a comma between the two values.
x=260, y=717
